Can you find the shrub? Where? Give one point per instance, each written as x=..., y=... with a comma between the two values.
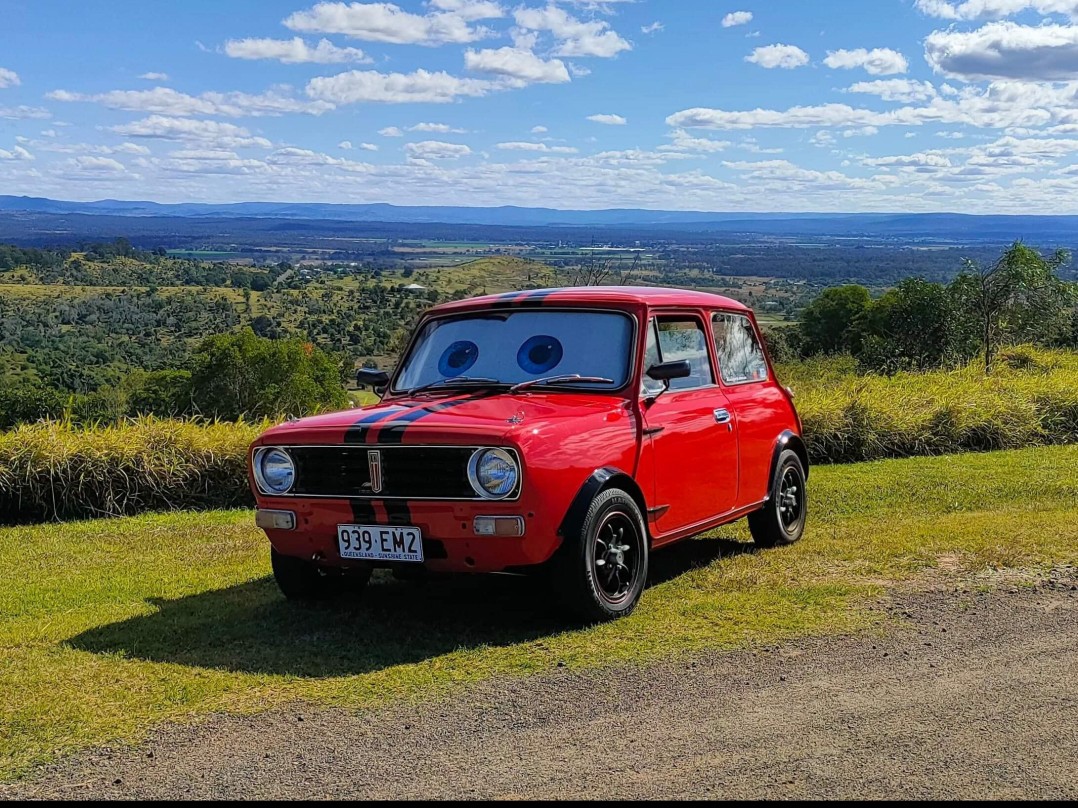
x=55, y=470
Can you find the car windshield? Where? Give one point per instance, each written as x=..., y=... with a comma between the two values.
x=526, y=346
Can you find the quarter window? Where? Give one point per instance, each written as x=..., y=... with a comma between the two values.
x=683, y=339
x=741, y=358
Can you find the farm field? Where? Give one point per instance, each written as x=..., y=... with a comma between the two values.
x=118, y=625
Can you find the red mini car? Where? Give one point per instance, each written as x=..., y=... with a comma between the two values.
x=568, y=430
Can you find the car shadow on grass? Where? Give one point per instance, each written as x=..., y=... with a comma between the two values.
x=250, y=628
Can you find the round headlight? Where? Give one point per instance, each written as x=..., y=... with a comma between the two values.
x=274, y=471
x=494, y=473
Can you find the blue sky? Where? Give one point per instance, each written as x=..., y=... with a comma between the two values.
x=836, y=105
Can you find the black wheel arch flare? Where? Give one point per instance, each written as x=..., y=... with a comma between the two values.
x=788, y=440
x=599, y=481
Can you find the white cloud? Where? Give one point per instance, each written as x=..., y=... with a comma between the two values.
x=345, y=144
x=222, y=135
x=516, y=63
x=683, y=141
x=436, y=150
x=16, y=153
x=154, y=76
x=437, y=128
x=536, y=147
x=653, y=28
x=166, y=101
x=903, y=90
x=539, y=130
x=23, y=112
x=574, y=37
x=96, y=164
x=608, y=120
x=974, y=9
x=786, y=57
x=293, y=51
x=736, y=18
x=421, y=86
x=864, y=131
x=1006, y=50
x=391, y=131
x=877, y=62
x=385, y=22
x=8, y=78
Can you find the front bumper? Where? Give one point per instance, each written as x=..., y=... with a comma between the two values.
x=450, y=541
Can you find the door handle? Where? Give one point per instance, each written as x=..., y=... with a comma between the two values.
x=723, y=416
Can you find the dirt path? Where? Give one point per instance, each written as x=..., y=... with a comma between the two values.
x=967, y=695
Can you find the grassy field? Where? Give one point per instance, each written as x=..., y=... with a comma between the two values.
x=107, y=627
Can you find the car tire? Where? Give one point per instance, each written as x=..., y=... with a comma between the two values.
x=599, y=574
x=782, y=520
x=303, y=581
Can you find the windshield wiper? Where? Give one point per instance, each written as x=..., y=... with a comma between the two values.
x=459, y=381
x=575, y=378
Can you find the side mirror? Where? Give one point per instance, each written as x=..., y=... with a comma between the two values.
x=377, y=380
x=668, y=371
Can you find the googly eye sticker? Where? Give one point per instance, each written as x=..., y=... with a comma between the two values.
x=458, y=359
x=540, y=355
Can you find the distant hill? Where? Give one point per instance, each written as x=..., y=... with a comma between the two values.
x=34, y=219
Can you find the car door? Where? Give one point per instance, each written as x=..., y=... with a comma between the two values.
x=756, y=402
x=692, y=435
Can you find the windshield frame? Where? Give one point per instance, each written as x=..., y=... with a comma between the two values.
x=633, y=359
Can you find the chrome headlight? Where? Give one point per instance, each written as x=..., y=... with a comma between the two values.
x=493, y=473
x=274, y=470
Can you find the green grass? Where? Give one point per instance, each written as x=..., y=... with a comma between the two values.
x=109, y=627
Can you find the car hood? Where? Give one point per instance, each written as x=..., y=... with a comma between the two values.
x=448, y=419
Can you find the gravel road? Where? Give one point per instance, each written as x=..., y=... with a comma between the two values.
x=965, y=694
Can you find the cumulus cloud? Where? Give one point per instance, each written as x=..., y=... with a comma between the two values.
x=166, y=101
x=221, y=135
x=574, y=37
x=391, y=131
x=683, y=141
x=23, y=112
x=608, y=120
x=8, y=78
x=88, y=163
x=539, y=130
x=877, y=62
x=536, y=147
x=422, y=86
x=736, y=18
x=436, y=150
x=902, y=90
x=16, y=153
x=385, y=22
x=516, y=63
x=293, y=51
x=154, y=76
x=786, y=57
x=974, y=9
x=346, y=145
x=439, y=128
x=1006, y=50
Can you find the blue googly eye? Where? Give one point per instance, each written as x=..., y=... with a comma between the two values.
x=458, y=359
x=540, y=355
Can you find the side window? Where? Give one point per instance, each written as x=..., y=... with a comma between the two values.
x=741, y=358
x=683, y=339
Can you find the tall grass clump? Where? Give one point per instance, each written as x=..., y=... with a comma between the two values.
x=57, y=470
x=1030, y=399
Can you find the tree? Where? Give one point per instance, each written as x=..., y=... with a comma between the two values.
x=911, y=327
x=828, y=322
x=244, y=375
x=1019, y=297
x=159, y=392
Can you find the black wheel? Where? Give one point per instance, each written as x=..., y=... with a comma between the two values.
x=600, y=574
x=304, y=581
x=782, y=519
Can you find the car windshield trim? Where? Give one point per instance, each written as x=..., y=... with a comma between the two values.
x=481, y=314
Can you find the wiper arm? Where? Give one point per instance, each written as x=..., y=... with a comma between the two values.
x=461, y=381
x=575, y=378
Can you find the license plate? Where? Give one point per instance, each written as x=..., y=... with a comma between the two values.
x=380, y=543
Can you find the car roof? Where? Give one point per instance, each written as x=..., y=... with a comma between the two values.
x=616, y=296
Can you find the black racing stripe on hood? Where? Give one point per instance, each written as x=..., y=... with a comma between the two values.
x=393, y=431
x=357, y=433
